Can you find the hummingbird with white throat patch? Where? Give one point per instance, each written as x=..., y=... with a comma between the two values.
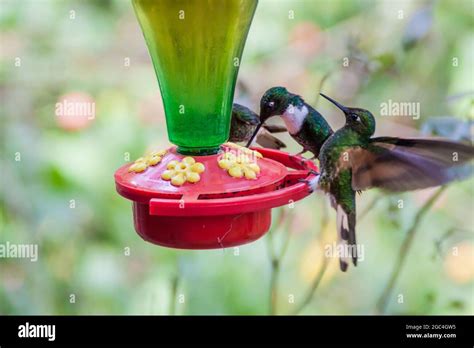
x=352, y=161
x=306, y=125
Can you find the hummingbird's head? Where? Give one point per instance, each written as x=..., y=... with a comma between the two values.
x=274, y=102
x=360, y=120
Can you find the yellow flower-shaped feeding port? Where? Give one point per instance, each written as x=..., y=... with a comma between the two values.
x=187, y=170
x=244, y=150
x=239, y=166
x=150, y=159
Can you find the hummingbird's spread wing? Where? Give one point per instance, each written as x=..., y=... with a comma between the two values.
x=244, y=114
x=399, y=165
x=272, y=128
x=265, y=139
x=439, y=150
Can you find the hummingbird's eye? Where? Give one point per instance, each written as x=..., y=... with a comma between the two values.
x=271, y=104
x=354, y=117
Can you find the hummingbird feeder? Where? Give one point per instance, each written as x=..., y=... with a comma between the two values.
x=204, y=193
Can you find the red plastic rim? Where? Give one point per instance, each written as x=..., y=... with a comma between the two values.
x=219, y=210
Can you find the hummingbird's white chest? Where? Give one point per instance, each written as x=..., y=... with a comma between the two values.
x=294, y=118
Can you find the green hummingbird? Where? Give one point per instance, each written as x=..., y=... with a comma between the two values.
x=307, y=126
x=244, y=123
x=352, y=161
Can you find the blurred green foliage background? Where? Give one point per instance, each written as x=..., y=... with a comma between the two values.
x=360, y=52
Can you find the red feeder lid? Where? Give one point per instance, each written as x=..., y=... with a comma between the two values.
x=218, y=210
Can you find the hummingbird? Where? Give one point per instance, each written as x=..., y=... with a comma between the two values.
x=244, y=123
x=351, y=161
x=306, y=125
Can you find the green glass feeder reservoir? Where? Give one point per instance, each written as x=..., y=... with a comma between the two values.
x=196, y=47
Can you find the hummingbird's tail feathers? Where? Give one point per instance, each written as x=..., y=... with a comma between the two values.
x=265, y=139
x=347, y=247
x=272, y=128
x=342, y=238
x=352, y=237
x=399, y=165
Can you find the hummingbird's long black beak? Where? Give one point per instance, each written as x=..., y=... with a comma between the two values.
x=254, y=134
x=340, y=106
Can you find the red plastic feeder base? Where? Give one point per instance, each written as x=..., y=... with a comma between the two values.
x=219, y=211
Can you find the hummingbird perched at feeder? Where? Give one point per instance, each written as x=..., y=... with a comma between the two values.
x=352, y=161
x=244, y=123
x=306, y=125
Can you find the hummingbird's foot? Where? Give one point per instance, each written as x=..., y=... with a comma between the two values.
x=300, y=153
x=300, y=162
x=311, y=183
